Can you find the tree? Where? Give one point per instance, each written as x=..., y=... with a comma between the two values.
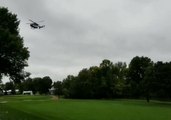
x=42, y=85
x=10, y=86
x=147, y=83
x=69, y=86
x=107, y=79
x=28, y=85
x=13, y=54
x=95, y=76
x=83, y=84
x=136, y=73
x=2, y=86
x=37, y=84
x=58, y=88
x=162, y=83
x=120, y=72
x=46, y=83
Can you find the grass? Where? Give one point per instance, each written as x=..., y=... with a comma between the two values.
x=44, y=108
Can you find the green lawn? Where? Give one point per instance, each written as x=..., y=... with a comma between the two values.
x=45, y=108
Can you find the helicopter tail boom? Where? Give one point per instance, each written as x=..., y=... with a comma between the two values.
x=41, y=26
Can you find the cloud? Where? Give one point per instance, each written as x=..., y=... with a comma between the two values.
x=81, y=33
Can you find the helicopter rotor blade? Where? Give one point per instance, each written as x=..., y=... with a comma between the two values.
x=31, y=20
x=41, y=21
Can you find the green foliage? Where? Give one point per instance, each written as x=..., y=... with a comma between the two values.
x=147, y=83
x=58, y=88
x=142, y=79
x=136, y=74
x=37, y=85
x=106, y=81
x=28, y=85
x=162, y=83
x=45, y=84
x=13, y=54
x=8, y=21
x=10, y=86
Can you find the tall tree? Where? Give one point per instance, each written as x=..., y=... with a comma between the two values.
x=37, y=84
x=95, y=84
x=137, y=68
x=162, y=83
x=58, y=88
x=13, y=54
x=45, y=85
x=107, y=80
x=69, y=86
x=120, y=72
x=147, y=82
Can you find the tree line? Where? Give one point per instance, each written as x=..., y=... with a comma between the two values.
x=37, y=85
x=142, y=78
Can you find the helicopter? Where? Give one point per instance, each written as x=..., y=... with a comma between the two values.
x=35, y=25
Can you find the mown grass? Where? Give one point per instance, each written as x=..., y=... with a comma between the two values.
x=44, y=108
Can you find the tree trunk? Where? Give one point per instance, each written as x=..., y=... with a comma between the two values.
x=148, y=97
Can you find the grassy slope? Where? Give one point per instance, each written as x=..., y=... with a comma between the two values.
x=43, y=108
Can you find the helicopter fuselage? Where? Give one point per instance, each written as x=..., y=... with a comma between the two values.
x=34, y=25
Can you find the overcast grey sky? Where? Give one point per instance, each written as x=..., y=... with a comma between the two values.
x=81, y=33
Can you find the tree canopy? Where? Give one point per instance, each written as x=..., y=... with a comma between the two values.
x=13, y=54
x=142, y=78
x=136, y=74
x=37, y=84
x=104, y=81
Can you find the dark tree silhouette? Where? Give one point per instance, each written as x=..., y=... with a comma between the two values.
x=58, y=88
x=137, y=68
x=13, y=54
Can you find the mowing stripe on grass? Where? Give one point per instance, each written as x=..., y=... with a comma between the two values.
x=69, y=109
